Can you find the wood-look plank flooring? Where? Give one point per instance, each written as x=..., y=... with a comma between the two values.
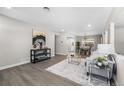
x=34, y=75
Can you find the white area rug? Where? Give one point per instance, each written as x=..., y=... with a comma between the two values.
x=75, y=73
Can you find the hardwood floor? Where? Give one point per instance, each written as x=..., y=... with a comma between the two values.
x=34, y=75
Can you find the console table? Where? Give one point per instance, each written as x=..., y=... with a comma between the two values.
x=37, y=55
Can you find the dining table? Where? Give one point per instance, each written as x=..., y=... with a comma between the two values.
x=85, y=51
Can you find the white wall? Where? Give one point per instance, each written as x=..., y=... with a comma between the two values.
x=120, y=70
x=119, y=40
x=63, y=43
x=119, y=48
x=112, y=34
x=50, y=42
x=106, y=37
x=16, y=41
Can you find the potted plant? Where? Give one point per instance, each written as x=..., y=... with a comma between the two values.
x=100, y=61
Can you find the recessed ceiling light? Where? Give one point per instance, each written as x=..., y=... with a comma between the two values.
x=8, y=7
x=89, y=25
x=62, y=30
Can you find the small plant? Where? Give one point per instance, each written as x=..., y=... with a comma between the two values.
x=100, y=59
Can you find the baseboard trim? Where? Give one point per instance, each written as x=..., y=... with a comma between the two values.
x=61, y=54
x=17, y=64
x=52, y=55
x=116, y=82
x=13, y=65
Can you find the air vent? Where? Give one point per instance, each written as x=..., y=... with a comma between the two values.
x=46, y=8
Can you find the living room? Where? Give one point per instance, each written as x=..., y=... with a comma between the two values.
x=64, y=32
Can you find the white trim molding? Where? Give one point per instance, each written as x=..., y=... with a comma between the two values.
x=13, y=65
x=17, y=64
x=61, y=54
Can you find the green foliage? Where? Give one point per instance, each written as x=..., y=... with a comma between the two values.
x=100, y=59
x=39, y=37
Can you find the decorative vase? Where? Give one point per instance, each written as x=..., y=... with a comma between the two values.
x=34, y=46
x=99, y=64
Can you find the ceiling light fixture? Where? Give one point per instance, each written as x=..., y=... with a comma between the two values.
x=89, y=25
x=8, y=7
x=46, y=8
x=62, y=30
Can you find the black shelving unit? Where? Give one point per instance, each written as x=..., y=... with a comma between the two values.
x=38, y=55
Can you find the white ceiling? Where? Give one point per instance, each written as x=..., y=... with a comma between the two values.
x=74, y=20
